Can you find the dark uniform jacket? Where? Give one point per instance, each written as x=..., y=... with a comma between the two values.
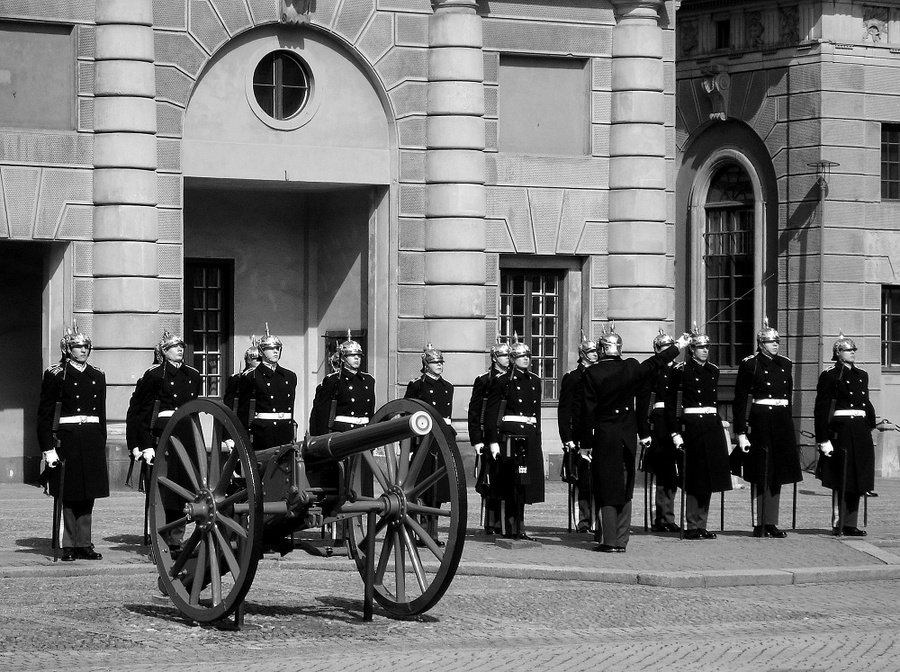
x=478, y=404
x=770, y=429
x=355, y=396
x=661, y=458
x=82, y=446
x=522, y=392
x=439, y=393
x=845, y=388
x=230, y=398
x=566, y=412
x=273, y=391
x=705, y=445
x=608, y=425
x=172, y=386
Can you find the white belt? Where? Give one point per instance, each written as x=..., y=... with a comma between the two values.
x=350, y=420
x=448, y=421
x=79, y=420
x=272, y=416
x=771, y=402
x=165, y=414
x=525, y=419
x=659, y=404
x=701, y=410
x=850, y=413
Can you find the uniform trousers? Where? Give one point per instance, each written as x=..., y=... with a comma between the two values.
x=851, y=509
x=616, y=524
x=767, y=501
x=581, y=491
x=665, y=505
x=697, y=514
x=77, y=518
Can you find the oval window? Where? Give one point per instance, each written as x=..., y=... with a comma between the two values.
x=281, y=85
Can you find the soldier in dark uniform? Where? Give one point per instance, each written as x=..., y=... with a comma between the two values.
x=764, y=427
x=78, y=437
x=699, y=433
x=512, y=428
x=580, y=467
x=345, y=399
x=660, y=456
x=251, y=361
x=606, y=398
x=844, y=419
x=485, y=481
x=164, y=387
x=266, y=397
x=432, y=388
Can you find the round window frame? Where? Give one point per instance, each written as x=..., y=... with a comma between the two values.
x=306, y=113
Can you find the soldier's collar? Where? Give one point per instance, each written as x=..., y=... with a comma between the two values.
x=80, y=366
x=432, y=376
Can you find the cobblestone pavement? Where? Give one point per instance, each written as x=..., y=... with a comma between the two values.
x=311, y=620
x=830, y=611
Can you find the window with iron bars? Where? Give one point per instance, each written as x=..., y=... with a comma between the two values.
x=207, y=321
x=890, y=162
x=530, y=309
x=890, y=326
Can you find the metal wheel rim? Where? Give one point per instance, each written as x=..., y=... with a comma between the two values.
x=222, y=541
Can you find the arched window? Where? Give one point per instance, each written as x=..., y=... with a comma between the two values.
x=729, y=261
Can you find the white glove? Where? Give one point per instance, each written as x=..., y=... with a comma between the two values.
x=826, y=448
x=228, y=445
x=585, y=453
x=743, y=443
x=677, y=440
x=479, y=448
x=682, y=341
x=136, y=453
x=645, y=443
x=495, y=450
x=148, y=455
x=569, y=445
x=51, y=457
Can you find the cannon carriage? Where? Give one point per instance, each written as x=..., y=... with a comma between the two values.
x=367, y=485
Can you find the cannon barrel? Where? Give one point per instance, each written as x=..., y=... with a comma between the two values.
x=337, y=446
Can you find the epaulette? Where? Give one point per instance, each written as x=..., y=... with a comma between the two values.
x=713, y=366
x=787, y=359
x=153, y=367
x=748, y=358
x=98, y=369
x=188, y=366
x=55, y=370
x=678, y=365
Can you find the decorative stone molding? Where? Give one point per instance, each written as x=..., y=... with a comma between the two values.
x=755, y=30
x=790, y=25
x=717, y=85
x=294, y=12
x=875, y=21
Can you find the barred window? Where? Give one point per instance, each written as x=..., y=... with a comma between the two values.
x=890, y=161
x=530, y=309
x=207, y=318
x=281, y=85
x=890, y=326
x=728, y=257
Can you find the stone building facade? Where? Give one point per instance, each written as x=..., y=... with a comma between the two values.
x=433, y=171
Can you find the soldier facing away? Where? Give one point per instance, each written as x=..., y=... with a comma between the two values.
x=251, y=361
x=606, y=398
x=579, y=471
x=71, y=426
x=764, y=427
x=660, y=457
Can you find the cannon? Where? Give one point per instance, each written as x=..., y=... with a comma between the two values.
x=228, y=505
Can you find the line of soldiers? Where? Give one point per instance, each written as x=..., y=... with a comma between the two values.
x=608, y=405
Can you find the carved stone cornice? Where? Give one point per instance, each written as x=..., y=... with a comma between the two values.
x=450, y=5
x=717, y=85
x=637, y=9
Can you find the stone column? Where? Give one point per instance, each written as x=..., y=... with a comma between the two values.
x=126, y=285
x=639, y=289
x=455, y=261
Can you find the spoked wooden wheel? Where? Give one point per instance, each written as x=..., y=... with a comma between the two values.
x=404, y=483
x=206, y=499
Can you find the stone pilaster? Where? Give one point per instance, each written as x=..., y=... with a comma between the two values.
x=455, y=262
x=126, y=285
x=638, y=285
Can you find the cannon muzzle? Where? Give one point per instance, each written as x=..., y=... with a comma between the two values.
x=335, y=447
